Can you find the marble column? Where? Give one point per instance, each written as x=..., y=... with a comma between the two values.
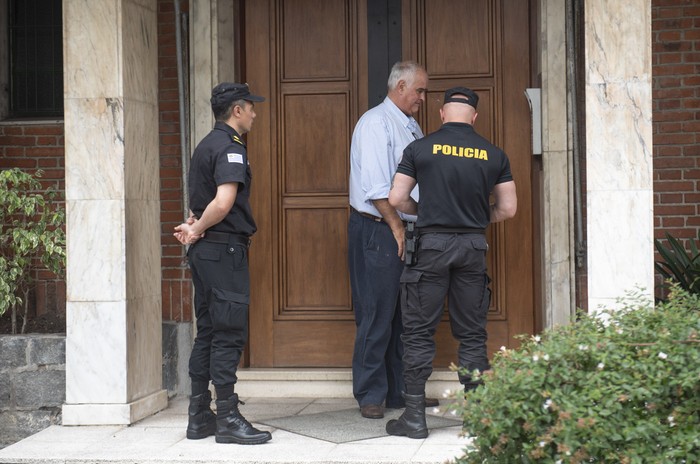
x=557, y=223
x=113, y=347
x=619, y=200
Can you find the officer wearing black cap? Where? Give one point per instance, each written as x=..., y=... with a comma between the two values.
x=458, y=171
x=218, y=233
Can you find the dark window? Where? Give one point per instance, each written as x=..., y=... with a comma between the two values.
x=36, y=58
x=384, y=45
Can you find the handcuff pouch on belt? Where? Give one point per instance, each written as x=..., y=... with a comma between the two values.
x=410, y=244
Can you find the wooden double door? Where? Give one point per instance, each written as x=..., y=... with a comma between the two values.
x=310, y=59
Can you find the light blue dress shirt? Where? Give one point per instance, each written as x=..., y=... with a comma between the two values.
x=378, y=141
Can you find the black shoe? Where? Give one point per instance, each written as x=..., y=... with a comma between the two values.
x=201, y=421
x=232, y=427
x=372, y=411
x=412, y=422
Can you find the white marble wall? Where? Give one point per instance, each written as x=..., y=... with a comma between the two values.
x=113, y=348
x=618, y=150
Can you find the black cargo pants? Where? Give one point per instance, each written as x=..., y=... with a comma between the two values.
x=452, y=265
x=222, y=293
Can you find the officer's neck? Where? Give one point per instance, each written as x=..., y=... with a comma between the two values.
x=233, y=124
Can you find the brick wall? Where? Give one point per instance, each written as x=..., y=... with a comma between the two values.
x=34, y=146
x=176, y=285
x=676, y=117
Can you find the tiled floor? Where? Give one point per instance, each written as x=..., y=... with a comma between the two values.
x=161, y=439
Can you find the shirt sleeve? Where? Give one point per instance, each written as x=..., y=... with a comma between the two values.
x=375, y=143
x=230, y=165
x=407, y=165
x=506, y=175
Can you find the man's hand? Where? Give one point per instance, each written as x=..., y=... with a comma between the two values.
x=400, y=235
x=185, y=234
x=391, y=217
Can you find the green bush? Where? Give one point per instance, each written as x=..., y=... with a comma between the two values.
x=623, y=387
x=31, y=222
x=678, y=264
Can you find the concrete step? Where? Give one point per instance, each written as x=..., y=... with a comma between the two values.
x=320, y=383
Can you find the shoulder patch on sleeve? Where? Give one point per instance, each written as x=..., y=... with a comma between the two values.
x=235, y=158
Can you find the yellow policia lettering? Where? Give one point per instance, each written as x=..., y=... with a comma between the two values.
x=462, y=152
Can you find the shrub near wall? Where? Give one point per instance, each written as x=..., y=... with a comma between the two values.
x=620, y=388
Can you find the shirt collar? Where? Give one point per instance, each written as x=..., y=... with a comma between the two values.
x=235, y=136
x=407, y=121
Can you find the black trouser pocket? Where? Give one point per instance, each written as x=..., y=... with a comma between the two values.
x=228, y=310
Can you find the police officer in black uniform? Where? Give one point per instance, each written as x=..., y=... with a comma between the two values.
x=457, y=171
x=219, y=233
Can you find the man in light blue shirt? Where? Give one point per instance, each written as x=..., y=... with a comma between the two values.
x=376, y=239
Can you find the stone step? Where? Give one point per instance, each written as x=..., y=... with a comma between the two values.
x=320, y=383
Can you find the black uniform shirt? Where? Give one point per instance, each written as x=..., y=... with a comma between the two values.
x=456, y=170
x=218, y=159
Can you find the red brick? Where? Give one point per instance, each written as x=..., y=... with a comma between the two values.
x=44, y=130
x=668, y=222
x=674, y=174
x=23, y=163
x=11, y=130
x=674, y=139
x=187, y=300
x=47, y=163
x=18, y=140
x=45, y=151
x=674, y=210
x=172, y=273
x=165, y=295
x=671, y=198
x=675, y=70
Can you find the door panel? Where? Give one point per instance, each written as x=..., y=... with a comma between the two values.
x=309, y=58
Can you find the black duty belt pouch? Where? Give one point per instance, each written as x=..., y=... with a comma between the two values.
x=410, y=244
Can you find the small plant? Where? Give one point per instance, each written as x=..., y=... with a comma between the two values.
x=622, y=387
x=679, y=265
x=31, y=232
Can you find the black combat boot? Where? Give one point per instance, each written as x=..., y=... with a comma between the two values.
x=412, y=422
x=232, y=427
x=202, y=420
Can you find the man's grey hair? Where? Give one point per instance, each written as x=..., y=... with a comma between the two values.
x=222, y=114
x=403, y=70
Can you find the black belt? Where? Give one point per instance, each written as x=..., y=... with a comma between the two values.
x=226, y=238
x=449, y=230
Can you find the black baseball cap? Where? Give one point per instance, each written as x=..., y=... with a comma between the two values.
x=471, y=97
x=228, y=92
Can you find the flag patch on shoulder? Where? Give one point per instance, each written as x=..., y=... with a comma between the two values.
x=235, y=158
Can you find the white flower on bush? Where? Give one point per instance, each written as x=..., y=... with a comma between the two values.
x=543, y=444
x=547, y=404
x=663, y=355
x=536, y=358
x=583, y=347
x=536, y=338
x=619, y=331
x=545, y=357
x=601, y=366
x=503, y=348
